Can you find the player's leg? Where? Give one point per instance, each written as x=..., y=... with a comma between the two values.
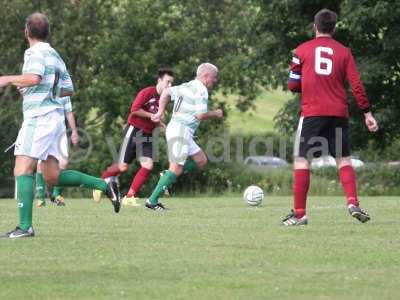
x=125, y=157
x=40, y=187
x=57, y=190
x=28, y=151
x=178, y=140
x=340, y=149
x=307, y=129
x=140, y=178
x=23, y=172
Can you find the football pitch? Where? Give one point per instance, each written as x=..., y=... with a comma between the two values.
x=203, y=248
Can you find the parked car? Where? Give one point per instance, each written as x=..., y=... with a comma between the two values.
x=266, y=162
x=329, y=161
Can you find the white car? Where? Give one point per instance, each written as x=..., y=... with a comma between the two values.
x=329, y=161
x=266, y=162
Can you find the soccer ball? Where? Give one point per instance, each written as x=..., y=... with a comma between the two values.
x=253, y=195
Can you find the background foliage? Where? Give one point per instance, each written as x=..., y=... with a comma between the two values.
x=113, y=48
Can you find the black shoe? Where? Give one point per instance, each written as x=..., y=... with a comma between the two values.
x=158, y=207
x=359, y=214
x=292, y=220
x=19, y=233
x=113, y=194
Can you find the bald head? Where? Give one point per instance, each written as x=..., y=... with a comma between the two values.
x=207, y=73
x=37, y=26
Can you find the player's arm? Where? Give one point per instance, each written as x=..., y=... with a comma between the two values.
x=136, y=108
x=359, y=94
x=214, y=114
x=72, y=124
x=69, y=115
x=141, y=113
x=162, y=104
x=294, y=81
x=67, y=87
x=24, y=80
x=33, y=72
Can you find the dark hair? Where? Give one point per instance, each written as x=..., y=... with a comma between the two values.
x=165, y=71
x=325, y=21
x=37, y=25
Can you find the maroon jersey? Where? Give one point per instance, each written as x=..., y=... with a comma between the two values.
x=319, y=70
x=147, y=99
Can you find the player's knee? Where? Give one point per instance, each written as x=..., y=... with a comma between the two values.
x=343, y=162
x=148, y=165
x=301, y=163
x=51, y=179
x=202, y=162
x=123, y=167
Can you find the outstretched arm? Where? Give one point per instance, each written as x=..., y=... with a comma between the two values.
x=164, y=99
x=22, y=81
x=214, y=114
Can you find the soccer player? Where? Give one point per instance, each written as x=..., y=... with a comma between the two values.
x=138, y=137
x=46, y=78
x=190, y=107
x=319, y=70
x=56, y=194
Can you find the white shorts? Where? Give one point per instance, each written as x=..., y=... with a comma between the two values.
x=42, y=136
x=180, y=143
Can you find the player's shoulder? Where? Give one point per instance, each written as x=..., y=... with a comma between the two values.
x=148, y=91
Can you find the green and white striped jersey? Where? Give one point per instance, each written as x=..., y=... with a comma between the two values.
x=41, y=59
x=66, y=102
x=190, y=99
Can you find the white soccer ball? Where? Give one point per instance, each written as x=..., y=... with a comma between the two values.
x=253, y=195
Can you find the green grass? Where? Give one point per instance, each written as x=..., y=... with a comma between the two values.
x=260, y=119
x=203, y=248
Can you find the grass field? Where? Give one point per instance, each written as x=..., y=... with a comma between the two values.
x=266, y=106
x=203, y=248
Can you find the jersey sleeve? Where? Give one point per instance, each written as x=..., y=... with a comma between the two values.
x=67, y=104
x=356, y=85
x=34, y=63
x=294, y=81
x=201, y=105
x=66, y=82
x=141, y=98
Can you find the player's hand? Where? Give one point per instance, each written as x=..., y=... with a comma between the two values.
x=156, y=117
x=371, y=123
x=219, y=113
x=75, y=137
x=21, y=90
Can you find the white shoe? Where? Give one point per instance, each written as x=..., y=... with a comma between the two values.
x=130, y=201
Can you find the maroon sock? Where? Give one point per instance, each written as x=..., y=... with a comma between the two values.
x=348, y=179
x=140, y=178
x=301, y=184
x=111, y=171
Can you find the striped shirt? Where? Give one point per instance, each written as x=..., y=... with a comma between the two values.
x=41, y=59
x=190, y=99
x=66, y=102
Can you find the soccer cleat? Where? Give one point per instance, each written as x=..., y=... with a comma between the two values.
x=19, y=233
x=359, y=214
x=130, y=201
x=157, y=207
x=97, y=195
x=113, y=194
x=292, y=220
x=40, y=203
x=60, y=201
x=166, y=190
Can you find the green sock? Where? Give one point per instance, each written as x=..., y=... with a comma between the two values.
x=76, y=178
x=40, y=186
x=190, y=166
x=57, y=190
x=168, y=179
x=25, y=196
